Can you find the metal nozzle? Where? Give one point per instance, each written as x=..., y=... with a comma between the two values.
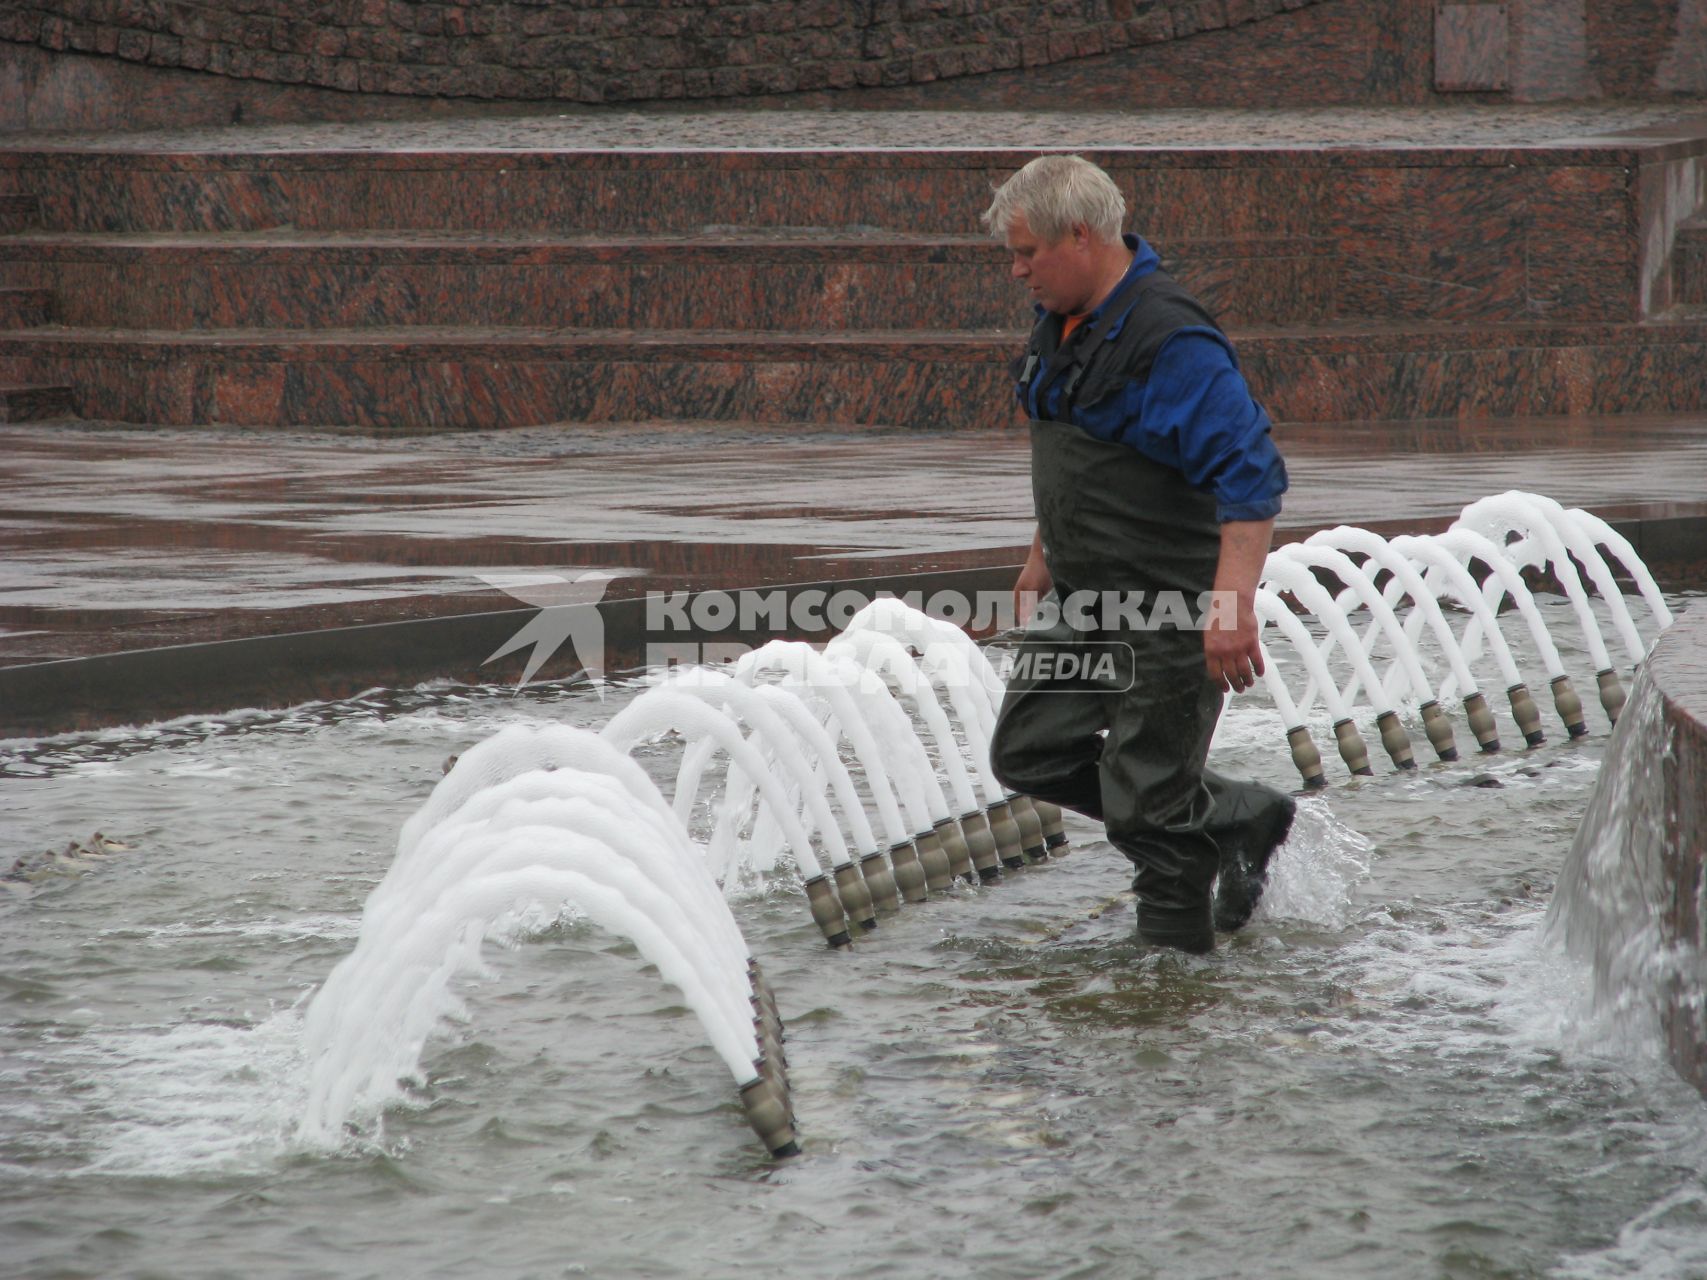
x=1306, y=756
x=1030, y=828
x=938, y=875
x=1612, y=695
x=1528, y=717
x=1569, y=706
x=762, y=993
x=1482, y=724
x=1006, y=832
x=884, y=895
x=1054, y=835
x=770, y=1049
x=1395, y=740
x=1439, y=730
x=954, y=845
x=766, y=1105
x=909, y=871
x=981, y=844
x=827, y=911
x=1352, y=748
x=856, y=898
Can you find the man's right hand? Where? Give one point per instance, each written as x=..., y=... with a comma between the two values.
x=1033, y=583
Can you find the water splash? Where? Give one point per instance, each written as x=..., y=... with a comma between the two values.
x=1312, y=876
x=1614, y=906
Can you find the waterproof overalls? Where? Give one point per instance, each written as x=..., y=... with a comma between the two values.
x=1113, y=520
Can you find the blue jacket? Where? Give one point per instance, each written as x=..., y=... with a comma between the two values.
x=1193, y=413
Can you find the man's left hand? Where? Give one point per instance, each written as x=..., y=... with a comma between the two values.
x=1231, y=652
x=1230, y=646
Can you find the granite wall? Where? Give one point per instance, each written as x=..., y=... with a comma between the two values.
x=577, y=51
x=141, y=63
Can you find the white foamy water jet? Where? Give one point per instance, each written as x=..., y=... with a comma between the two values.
x=1502, y=536
x=529, y=825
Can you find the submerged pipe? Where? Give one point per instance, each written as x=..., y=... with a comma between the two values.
x=855, y=896
x=953, y=841
x=767, y=1111
x=1006, y=833
x=1569, y=706
x=1527, y=715
x=1482, y=726
x=1439, y=730
x=1612, y=695
x=770, y=1050
x=909, y=871
x=1030, y=828
x=1395, y=740
x=1054, y=834
x=1306, y=757
x=938, y=875
x=827, y=911
x=982, y=845
x=1353, y=750
x=881, y=881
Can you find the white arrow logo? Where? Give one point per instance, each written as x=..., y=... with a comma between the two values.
x=568, y=605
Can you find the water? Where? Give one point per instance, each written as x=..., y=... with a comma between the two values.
x=1387, y=1074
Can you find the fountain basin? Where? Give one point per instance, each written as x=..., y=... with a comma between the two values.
x=1631, y=893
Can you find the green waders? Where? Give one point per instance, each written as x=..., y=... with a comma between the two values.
x=1111, y=709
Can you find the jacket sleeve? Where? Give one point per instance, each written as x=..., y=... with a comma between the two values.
x=1197, y=413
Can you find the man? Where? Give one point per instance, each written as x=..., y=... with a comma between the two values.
x=1153, y=471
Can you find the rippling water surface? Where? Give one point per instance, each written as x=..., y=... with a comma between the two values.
x=1386, y=1075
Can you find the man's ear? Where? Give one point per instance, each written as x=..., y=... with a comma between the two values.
x=1081, y=235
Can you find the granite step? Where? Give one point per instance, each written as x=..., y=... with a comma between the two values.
x=1469, y=233
x=773, y=281
x=1689, y=262
x=25, y=308
x=439, y=379
x=19, y=213
x=36, y=403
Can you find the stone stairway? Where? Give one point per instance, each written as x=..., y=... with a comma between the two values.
x=27, y=309
x=398, y=289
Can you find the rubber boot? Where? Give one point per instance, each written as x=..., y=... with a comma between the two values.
x=1247, y=840
x=1180, y=922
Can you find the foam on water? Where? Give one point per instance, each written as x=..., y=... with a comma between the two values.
x=179, y=1101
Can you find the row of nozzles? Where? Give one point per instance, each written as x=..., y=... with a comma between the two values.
x=1438, y=728
x=1509, y=535
x=766, y=1097
x=1012, y=833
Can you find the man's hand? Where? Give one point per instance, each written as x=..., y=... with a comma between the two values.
x=1230, y=647
x=1033, y=583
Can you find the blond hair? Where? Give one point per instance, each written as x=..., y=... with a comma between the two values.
x=1054, y=193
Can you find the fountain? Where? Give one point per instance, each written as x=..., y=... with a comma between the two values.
x=176, y=1083
x=561, y=819
x=529, y=825
x=894, y=715
x=1503, y=537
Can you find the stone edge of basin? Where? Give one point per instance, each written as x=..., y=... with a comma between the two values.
x=74, y=694
x=1678, y=668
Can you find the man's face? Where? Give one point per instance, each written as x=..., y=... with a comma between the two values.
x=1061, y=276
